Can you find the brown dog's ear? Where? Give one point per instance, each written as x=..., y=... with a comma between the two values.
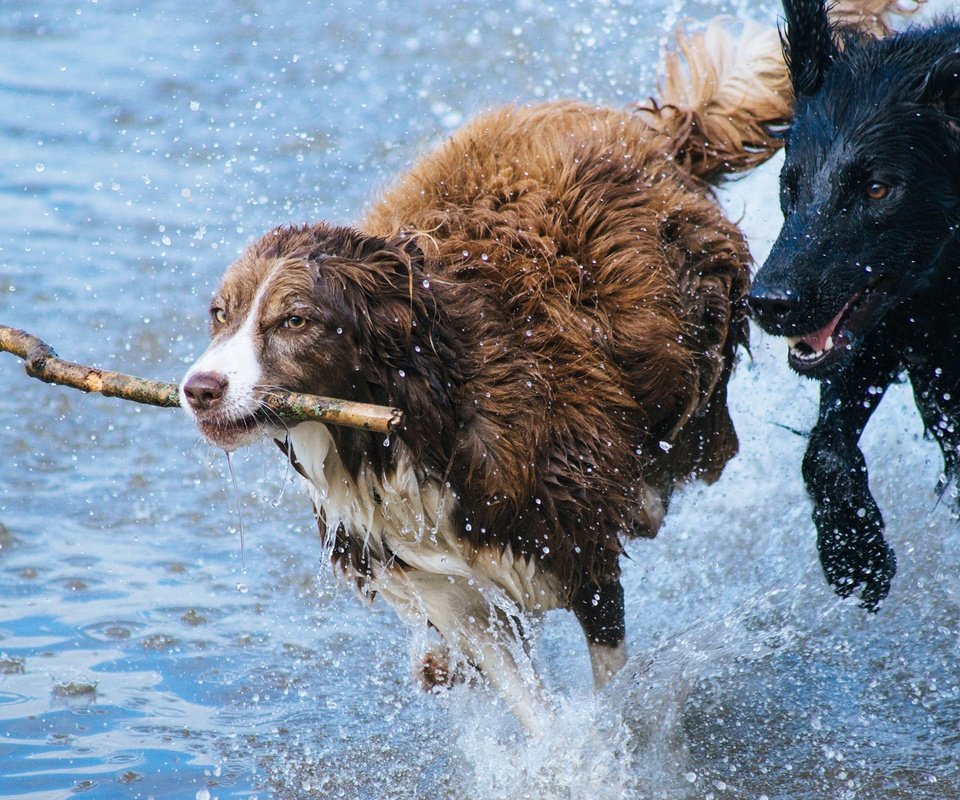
x=808, y=44
x=941, y=88
x=406, y=243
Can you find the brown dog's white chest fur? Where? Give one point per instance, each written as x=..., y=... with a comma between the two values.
x=406, y=523
x=420, y=563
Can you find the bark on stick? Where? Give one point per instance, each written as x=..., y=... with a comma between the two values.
x=42, y=362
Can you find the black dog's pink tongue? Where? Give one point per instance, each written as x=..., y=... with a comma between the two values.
x=818, y=340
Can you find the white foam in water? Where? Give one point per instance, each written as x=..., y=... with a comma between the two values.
x=627, y=741
x=582, y=754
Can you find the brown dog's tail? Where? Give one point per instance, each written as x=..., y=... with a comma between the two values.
x=874, y=17
x=720, y=99
x=723, y=97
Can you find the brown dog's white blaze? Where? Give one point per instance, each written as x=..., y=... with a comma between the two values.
x=223, y=388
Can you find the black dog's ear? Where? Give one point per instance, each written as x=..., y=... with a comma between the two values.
x=941, y=88
x=808, y=45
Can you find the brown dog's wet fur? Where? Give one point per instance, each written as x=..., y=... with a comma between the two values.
x=555, y=307
x=593, y=298
x=554, y=300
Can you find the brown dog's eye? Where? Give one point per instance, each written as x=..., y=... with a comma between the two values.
x=294, y=322
x=876, y=190
x=219, y=315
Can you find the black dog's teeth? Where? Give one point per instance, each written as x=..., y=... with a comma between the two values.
x=801, y=351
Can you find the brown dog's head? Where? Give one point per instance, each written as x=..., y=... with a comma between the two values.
x=302, y=310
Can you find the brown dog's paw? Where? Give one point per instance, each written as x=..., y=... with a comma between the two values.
x=435, y=672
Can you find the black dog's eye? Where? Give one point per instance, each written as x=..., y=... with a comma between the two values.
x=294, y=322
x=219, y=316
x=875, y=190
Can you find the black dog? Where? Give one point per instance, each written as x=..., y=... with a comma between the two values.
x=864, y=278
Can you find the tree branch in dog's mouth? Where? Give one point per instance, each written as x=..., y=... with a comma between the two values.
x=43, y=363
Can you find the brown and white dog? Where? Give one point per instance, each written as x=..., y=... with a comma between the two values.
x=554, y=300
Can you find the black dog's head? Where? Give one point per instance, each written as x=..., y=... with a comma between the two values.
x=870, y=188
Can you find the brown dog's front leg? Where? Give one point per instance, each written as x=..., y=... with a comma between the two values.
x=599, y=608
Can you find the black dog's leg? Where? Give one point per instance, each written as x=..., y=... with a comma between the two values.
x=850, y=540
x=937, y=392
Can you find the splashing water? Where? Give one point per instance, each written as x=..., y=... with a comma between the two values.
x=236, y=497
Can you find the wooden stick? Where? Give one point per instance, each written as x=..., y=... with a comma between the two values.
x=43, y=363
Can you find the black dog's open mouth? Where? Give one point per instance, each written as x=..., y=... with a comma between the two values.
x=831, y=342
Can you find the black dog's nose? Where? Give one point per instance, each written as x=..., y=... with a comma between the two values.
x=204, y=390
x=771, y=307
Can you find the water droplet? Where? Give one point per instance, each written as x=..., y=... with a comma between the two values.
x=203, y=794
x=426, y=283
x=40, y=167
x=236, y=494
x=386, y=442
x=666, y=447
x=242, y=588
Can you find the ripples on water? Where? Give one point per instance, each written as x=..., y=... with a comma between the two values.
x=143, y=145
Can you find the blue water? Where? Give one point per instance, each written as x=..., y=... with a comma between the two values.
x=141, y=146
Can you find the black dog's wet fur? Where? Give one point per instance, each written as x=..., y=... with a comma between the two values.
x=867, y=112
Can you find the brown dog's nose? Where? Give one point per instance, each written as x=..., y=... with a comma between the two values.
x=204, y=390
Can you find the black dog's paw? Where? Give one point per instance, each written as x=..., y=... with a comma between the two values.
x=853, y=561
